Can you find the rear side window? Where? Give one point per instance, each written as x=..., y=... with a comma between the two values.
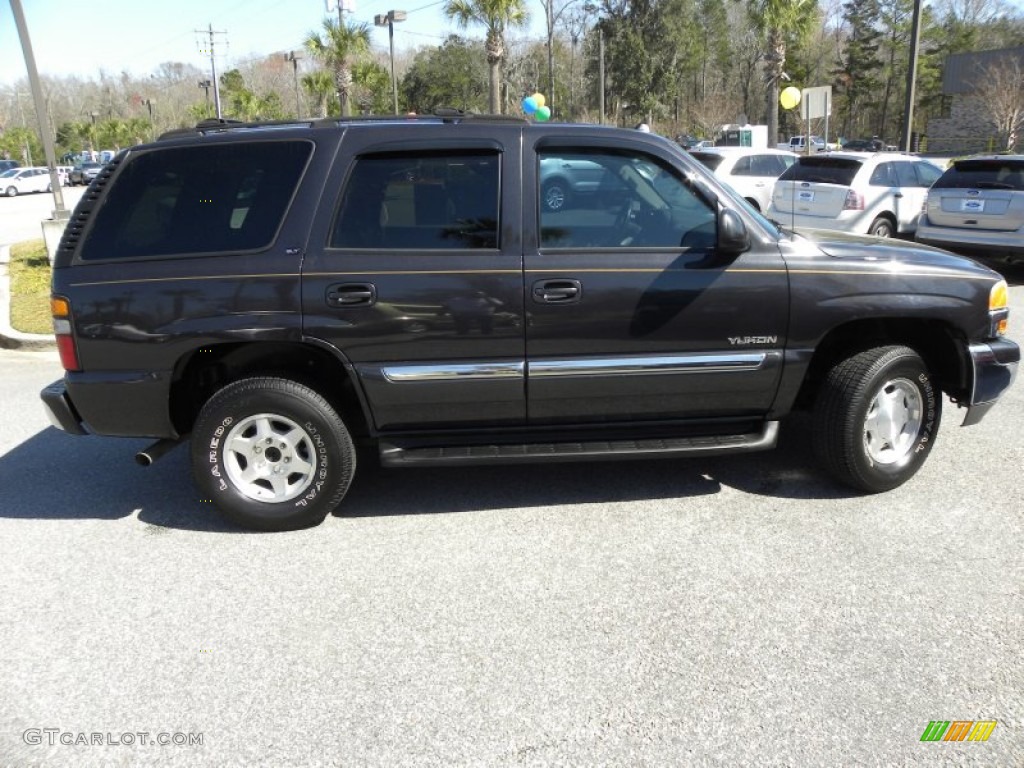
x=188, y=200
x=420, y=200
x=709, y=159
x=983, y=174
x=823, y=170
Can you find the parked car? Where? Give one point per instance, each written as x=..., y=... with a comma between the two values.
x=64, y=174
x=977, y=206
x=18, y=181
x=879, y=194
x=686, y=141
x=280, y=294
x=864, y=145
x=84, y=173
x=799, y=144
x=751, y=172
x=564, y=180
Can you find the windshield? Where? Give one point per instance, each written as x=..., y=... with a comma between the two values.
x=10, y=173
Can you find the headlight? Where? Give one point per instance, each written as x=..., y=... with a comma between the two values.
x=998, y=309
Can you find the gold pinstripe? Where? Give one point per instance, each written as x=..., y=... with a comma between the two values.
x=616, y=270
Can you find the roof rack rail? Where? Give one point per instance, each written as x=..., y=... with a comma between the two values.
x=444, y=114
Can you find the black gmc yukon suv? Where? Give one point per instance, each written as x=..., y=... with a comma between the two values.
x=284, y=293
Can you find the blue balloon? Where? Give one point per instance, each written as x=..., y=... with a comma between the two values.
x=529, y=105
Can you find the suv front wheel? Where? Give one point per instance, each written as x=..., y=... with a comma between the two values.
x=272, y=454
x=876, y=418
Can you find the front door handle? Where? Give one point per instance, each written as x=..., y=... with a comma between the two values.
x=557, y=291
x=350, y=294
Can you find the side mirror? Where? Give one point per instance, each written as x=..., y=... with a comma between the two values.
x=733, y=238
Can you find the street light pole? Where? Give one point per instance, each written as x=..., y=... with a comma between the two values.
x=388, y=20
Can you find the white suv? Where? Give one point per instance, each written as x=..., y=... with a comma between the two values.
x=879, y=194
x=751, y=172
x=978, y=207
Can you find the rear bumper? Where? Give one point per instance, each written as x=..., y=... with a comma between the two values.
x=114, y=403
x=988, y=242
x=995, y=367
x=60, y=411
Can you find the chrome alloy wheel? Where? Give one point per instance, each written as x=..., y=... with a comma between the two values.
x=270, y=458
x=893, y=421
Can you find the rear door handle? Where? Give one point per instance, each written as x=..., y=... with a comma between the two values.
x=350, y=294
x=557, y=291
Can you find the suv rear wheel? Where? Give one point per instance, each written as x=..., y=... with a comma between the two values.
x=272, y=454
x=876, y=418
x=881, y=227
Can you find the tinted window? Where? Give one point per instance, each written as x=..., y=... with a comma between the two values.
x=742, y=167
x=420, y=200
x=825, y=170
x=769, y=165
x=983, y=174
x=641, y=204
x=883, y=176
x=711, y=159
x=228, y=197
x=905, y=175
x=927, y=173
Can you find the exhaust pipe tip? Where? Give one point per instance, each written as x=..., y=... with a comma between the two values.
x=147, y=456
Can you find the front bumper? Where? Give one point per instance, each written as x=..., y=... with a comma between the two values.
x=995, y=366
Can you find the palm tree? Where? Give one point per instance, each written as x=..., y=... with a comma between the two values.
x=780, y=21
x=337, y=48
x=320, y=86
x=496, y=16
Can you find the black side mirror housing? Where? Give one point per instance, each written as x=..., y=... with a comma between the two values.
x=733, y=238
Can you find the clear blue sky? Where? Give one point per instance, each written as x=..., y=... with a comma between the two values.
x=83, y=36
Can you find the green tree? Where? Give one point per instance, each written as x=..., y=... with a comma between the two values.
x=496, y=16
x=857, y=73
x=451, y=75
x=338, y=48
x=373, y=87
x=781, y=23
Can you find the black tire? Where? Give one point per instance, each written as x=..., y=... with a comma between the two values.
x=293, y=476
x=753, y=204
x=555, y=195
x=862, y=401
x=882, y=227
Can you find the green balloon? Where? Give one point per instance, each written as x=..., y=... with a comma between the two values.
x=543, y=114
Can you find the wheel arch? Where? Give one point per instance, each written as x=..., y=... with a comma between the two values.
x=940, y=345
x=209, y=368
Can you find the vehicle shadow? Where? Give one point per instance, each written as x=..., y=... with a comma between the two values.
x=98, y=479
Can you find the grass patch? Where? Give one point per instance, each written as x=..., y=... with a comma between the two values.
x=30, y=288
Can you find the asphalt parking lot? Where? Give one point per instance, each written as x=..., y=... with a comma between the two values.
x=719, y=611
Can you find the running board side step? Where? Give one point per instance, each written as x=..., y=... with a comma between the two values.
x=395, y=454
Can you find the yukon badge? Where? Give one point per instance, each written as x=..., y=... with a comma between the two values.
x=738, y=341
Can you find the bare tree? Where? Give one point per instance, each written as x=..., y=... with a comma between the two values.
x=999, y=96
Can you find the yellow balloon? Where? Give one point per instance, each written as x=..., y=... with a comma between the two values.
x=789, y=97
x=539, y=98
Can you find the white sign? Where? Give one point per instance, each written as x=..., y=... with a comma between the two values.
x=816, y=102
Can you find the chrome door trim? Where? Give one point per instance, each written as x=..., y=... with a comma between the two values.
x=453, y=372
x=656, y=364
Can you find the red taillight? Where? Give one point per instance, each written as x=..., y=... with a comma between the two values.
x=61, y=309
x=68, y=353
x=854, y=202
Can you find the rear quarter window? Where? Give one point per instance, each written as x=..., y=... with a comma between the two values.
x=202, y=199
x=710, y=160
x=983, y=174
x=823, y=170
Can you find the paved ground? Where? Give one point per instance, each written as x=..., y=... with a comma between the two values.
x=733, y=611
x=20, y=216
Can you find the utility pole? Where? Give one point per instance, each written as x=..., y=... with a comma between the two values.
x=60, y=211
x=600, y=48
x=213, y=63
x=294, y=59
x=908, y=107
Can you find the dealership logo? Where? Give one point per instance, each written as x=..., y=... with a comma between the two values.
x=958, y=730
